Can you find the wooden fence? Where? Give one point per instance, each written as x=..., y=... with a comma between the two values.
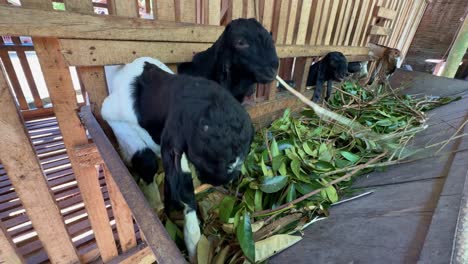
x=303, y=30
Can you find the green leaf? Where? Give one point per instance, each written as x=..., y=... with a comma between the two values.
x=225, y=208
x=384, y=122
x=249, y=199
x=291, y=193
x=273, y=184
x=323, y=166
x=330, y=193
x=270, y=246
x=350, y=156
x=282, y=169
x=265, y=170
x=291, y=153
x=172, y=229
x=277, y=161
x=258, y=200
x=308, y=149
x=274, y=148
x=305, y=188
x=296, y=167
x=245, y=237
x=324, y=153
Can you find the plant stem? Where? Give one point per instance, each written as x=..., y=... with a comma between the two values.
x=302, y=198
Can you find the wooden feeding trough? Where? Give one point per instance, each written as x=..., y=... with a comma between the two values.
x=42, y=196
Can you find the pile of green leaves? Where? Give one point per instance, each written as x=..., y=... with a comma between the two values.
x=295, y=155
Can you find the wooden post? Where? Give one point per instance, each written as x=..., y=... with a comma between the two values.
x=457, y=51
x=26, y=176
x=8, y=252
x=58, y=80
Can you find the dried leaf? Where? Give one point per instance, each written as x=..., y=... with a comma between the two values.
x=221, y=257
x=203, y=250
x=268, y=247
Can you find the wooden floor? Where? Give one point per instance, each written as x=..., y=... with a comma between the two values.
x=50, y=148
x=412, y=215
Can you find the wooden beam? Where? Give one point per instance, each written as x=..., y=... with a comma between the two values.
x=11, y=74
x=9, y=253
x=58, y=80
x=26, y=175
x=98, y=53
x=80, y=6
x=156, y=235
x=123, y=8
x=380, y=31
x=59, y=24
x=39, y=4
x=386, y=13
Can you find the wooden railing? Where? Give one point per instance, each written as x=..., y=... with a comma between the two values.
x=303, y=31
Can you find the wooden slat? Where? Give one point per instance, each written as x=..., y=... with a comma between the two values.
x=25, y=173
x=402, y=23
x=331, y=22
x=157, y=238
x=380, y=31
x=386, y=22
x=164, y=10
x=8, y=253
x=81, y=6
x=301, y=72
x=235, y=9
x=282, y=21
x=188, y=11
x=417, y=20
x=39, y=4
x=323, y=22
x=345, y=24
x=363, y=14
x=214, y=12
x=10, y=71
x=316, y=23
x=30, y=79
x=303, y=22
x=268, y=9
x=141, y=254
x=386, y=13
x=369, y=20
x=394, y=22
x=73, y=25
x=62, y=94
x=347, y=40
x=123, y=8
x=291, y=21
x=122, y=214
x=77, y=53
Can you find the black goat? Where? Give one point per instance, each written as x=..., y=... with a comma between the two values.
x=243, y=55
x=182, y=119
x=333, y=67
x=357, y=70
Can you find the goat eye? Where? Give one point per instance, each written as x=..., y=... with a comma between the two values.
x=241, y=44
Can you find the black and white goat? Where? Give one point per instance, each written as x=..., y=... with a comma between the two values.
x=243, y=55
x=333, y=67
x=181, y=119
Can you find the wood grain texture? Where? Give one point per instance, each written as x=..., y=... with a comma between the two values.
x=188, y=11
x=62, y=94
x=26, y=175
x=301, y=72
x=303, y=22
x=80, y=6
x=140, y=254
x=10, y=71
x=316, y=23
x=235, y=8
x=331, y=22
x=122, y=214
x=345, y=23
x=30, y=79
x=367, y=23
x=380, y=31
x=164, y=10
x=363, y=14
x=39, y=4
x=291, y=21
x=325, y=14
x=268, y=9
x=82, y=26
x=122, y=8
x=386, y=13
x=352, y=20
x=8, y=253
x=214, y=12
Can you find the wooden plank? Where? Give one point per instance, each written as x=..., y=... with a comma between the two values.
x=94, y=81
x=141, y=254
x=350, y=30
x=291, y=21
x=380, y=31
x=58, y=80
x=235, y=9
x=30, y=79
x=386, y=22
x=366, y=27
x=122, y=214
x=394, y=22
x=80, y=6
x=39, y=4
x=26, y=175
x=416, y=22
x=214, y=12
x=268, y=9
x=74, y=25
x=331, y=22
x=9, y=252
x=157, y=238
x=164, y=10
x=251, y=9
x=77, y=52
x=188, y=11
x=345, y=24
x=386, y=13
x=323, y=22
x=360, y=23
x=303, y=22
x=10, y=71
x=282, y=21
x=316, y=23
x=122, y=8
